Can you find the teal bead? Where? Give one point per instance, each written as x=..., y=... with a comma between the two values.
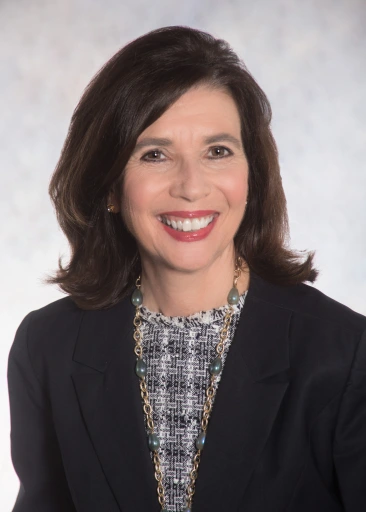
x=154, y=443
x=233, y=297
x=136, y=297
x=216, y=366
x=141, y=368
x=200, y=441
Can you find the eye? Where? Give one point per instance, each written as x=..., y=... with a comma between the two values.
x=152, y=156
x=220, y=152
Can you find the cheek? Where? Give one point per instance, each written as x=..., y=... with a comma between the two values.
x=235, y=188
x=138, y=198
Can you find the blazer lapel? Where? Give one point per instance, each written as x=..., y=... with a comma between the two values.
x=252, y=386
x=109, y=397
x=253, y=383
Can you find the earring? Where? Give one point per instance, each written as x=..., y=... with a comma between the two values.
x=110, y=208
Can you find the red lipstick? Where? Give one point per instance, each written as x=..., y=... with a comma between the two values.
x=189, y=215
x=189, y=236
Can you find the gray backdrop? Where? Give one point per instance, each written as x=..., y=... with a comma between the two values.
x=309, y=57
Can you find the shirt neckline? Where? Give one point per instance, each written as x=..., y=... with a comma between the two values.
x=210, y=316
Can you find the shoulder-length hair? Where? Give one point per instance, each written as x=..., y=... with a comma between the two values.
x=131, y=91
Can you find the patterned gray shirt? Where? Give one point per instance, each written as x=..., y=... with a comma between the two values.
x=178, y=352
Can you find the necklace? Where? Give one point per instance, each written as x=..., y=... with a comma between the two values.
x=214, y=369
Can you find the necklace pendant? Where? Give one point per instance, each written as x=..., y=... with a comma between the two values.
x=200, y=441
x=233, y=297
x=141, y=368
x=136, y=297
x=154, y=442
x=216, y=366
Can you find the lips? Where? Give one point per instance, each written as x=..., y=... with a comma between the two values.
x=190, y=236
x=189, y=215
x=186, y=224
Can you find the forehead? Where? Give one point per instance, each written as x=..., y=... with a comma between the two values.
x=202, y=108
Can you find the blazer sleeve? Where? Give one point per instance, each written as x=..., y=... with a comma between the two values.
x=349, y=448
x=34, y=447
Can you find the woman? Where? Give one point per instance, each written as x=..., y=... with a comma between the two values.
x=189, y=366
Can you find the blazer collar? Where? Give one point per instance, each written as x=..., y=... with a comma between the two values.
x=253, y=383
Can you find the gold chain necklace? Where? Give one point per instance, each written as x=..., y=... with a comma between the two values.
x=214, y=369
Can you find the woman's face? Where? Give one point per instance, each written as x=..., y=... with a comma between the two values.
x=188, y=168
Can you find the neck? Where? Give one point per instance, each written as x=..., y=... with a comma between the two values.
x=176, y=293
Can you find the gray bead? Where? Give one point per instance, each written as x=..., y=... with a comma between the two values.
x=154, y=442
x=200, y=441
x=216, y=366
x=141, y=368
x=233, y=297
x=136, y=297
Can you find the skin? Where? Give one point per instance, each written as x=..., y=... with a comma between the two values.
x=181, y=278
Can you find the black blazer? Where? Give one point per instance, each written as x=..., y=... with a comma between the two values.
x=287, y=431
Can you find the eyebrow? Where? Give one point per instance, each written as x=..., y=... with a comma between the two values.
x=160, y=141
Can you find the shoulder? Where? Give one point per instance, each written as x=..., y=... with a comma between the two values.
x=52, y=331
x=308, y=301
x=322, y=332
x=312, y=302
x=48, y=329
x=62, y=314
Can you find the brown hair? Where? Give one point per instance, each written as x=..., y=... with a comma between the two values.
x=133, y=89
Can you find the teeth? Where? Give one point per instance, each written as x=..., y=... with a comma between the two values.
x=196, y=224
x=187, y=224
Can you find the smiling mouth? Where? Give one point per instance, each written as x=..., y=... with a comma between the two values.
x=180, y=224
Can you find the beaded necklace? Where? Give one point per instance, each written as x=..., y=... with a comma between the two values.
x=215, y=369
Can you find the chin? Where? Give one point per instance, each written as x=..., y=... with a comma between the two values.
x=190, y=262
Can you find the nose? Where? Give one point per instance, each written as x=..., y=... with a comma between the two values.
x=190, y=182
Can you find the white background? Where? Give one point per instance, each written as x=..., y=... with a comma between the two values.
x=309, y=57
